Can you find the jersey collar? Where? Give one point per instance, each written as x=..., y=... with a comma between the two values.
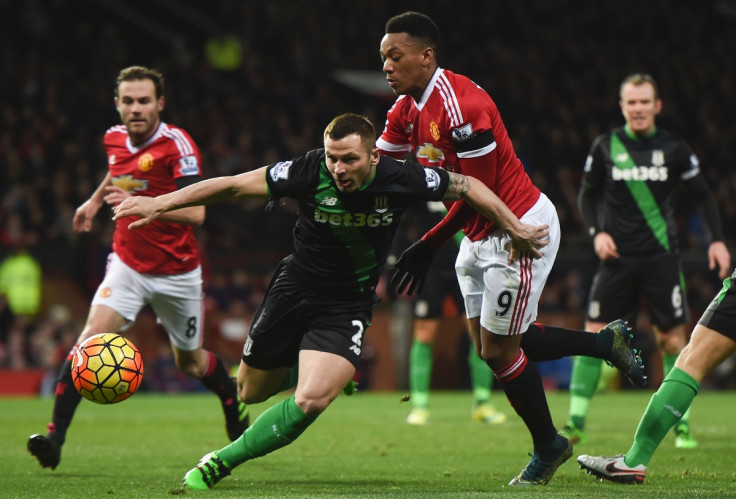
x=133, y=149
x=634, y=136
x=430, y=87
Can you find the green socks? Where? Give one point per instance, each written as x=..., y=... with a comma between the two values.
x=665, y=409
x=420, y=373
x=668, y=362
x=481, y=377
x=586, y=373
x=276, y=427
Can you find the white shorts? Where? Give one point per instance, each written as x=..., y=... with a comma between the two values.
x=176, y=300
x=506, y=297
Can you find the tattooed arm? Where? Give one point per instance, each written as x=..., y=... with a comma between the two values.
x=468, y=193
x=524, y=237
x=459, y=185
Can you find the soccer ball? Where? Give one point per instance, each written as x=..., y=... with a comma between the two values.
x=107, y=368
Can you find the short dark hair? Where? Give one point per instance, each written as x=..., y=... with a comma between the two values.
x=350, y=123
x=134, y=73
x=416, y=25
x=640, y=79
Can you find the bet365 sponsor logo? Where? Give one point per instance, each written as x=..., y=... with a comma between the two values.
x=344, y=219
x=643, y=173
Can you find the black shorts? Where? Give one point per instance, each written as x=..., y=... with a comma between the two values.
x=440, y=283
x=292, y=318
x=619, y=286
x=720, y=315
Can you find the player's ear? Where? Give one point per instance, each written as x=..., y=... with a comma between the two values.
x=375, y=156
x=657, y=106
x=161, y=102
x=428, y=55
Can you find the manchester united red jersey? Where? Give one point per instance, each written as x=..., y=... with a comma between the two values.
x=457, y=126
x=150, y=169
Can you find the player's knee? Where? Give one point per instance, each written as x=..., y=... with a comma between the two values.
x=251, y=394
x=489, y=355
x=425, y=330
x=190, y=369
x=478, y=350
x=671, y=344
x=497, y=356
x=243, y=393
x=311, y=405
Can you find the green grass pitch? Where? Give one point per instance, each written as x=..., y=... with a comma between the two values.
x=361, y=447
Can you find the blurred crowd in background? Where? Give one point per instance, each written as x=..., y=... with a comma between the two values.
x=256, y=82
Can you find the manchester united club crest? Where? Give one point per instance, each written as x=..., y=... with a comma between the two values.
x=145, y=162
x=434, y=129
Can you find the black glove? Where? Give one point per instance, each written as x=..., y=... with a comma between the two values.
x=411, y=268
x=272, y=205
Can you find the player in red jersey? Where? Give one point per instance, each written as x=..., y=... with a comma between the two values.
x=447, y=120
x=158, y=265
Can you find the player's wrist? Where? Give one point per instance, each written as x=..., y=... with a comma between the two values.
x=432, y=242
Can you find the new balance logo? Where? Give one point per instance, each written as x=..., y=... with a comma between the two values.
x=674, y=411
x=328, y=201
x=247, y=347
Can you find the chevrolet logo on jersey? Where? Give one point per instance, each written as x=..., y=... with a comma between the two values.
x=428, y=151
x=128, y=183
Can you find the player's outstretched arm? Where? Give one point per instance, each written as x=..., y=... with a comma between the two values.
x=210, y=191
x=524, y=237
x=86, y=212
